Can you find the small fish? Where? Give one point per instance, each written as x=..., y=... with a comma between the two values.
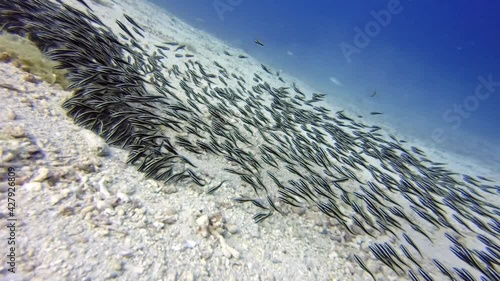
x=384, y=257
x=195, y=178
x=213, y=189
x=464, y=274
x=260, y=217
x=124, y=28
x=410, y=241
x=3, y=26
x=341, y=179
x=442, y=268
x=407, y=253
x=259, y=43
x=424, y=274
x=172, y=43
x=162, y=47
x=271, y=203
x=374, y=93
x=462, y=222
x=375, y=113
x=285, y=198
x=360, y=225
x=388, y=248
x=484, y=179
x=266, y=69
x=412, y=275
x=242, y=57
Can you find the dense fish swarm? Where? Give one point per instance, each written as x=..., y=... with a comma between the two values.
x=170, y=111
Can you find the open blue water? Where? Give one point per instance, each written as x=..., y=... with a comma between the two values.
x=435, y=66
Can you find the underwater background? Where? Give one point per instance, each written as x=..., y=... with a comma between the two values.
x=424, y=60
x=227, y=169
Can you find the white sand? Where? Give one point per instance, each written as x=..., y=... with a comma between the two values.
x=107, y=222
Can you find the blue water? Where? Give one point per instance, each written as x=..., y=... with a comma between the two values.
x=424, y=61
